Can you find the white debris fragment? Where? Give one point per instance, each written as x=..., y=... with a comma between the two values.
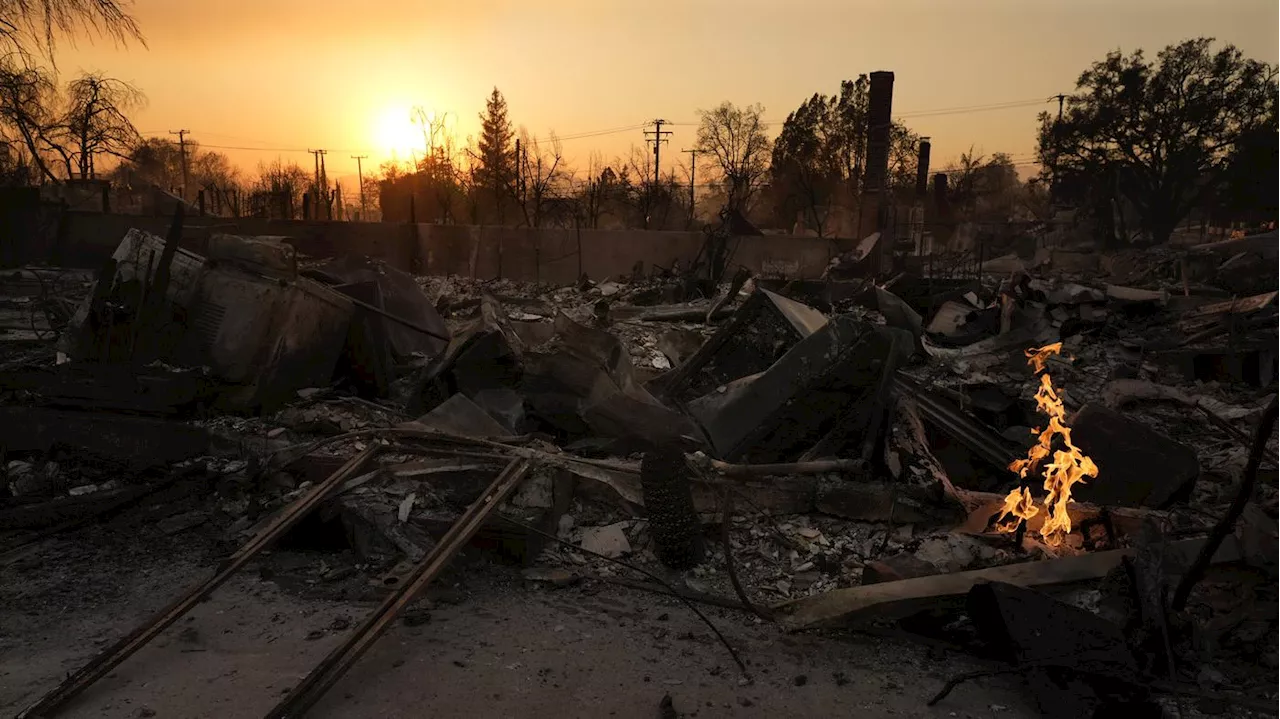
x=406, y=507
x=609, y=541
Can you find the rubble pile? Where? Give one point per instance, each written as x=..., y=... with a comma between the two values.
x=858, y=449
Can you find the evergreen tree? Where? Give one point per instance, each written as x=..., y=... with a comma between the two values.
x=495, y=150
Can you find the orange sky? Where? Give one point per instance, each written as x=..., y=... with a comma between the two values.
x=342, y=74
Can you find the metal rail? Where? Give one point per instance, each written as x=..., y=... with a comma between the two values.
x=110, y=658
x=333, y=666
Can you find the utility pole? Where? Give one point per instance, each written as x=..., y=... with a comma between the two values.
x=315, y=186
x=360, y=174
x=324, y=188
x=659, y=137
x=182, y=150
x=1054, y=185
x=519, y=192
x=319, y=189
x=693, y=176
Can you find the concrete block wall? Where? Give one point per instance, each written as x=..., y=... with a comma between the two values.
x=558, y=256
x=552, y=256
x=90, y=238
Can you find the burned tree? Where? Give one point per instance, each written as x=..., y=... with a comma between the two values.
x=28, y=118
x=590, y=199
x=30, y=27
x=68, y=130
x=540, y=177
x=734, y=138
x=97, y=122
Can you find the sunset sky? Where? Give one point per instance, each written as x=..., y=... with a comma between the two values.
x=289, y=75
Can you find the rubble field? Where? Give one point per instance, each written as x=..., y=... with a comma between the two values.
x=492, y=642
x=1034, y=489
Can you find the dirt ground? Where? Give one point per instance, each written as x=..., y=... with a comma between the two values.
x=483, y=642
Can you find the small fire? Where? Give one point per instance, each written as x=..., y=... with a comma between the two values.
x=1069, y=467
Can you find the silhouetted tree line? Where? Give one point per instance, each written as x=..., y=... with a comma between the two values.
x=506, y=176
x=1192, y=130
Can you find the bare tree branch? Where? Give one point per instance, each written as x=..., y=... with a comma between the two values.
x=32, y=27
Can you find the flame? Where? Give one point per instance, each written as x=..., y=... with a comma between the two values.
x=1038, y=357
x=1069, y=467
x=1019, y=505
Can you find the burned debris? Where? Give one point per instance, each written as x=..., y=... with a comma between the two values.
x=1038, y=465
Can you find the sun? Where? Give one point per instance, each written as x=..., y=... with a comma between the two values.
x=396, y=135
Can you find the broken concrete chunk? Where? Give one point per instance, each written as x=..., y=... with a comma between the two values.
x=503, y=404
x=898, y=313
x=678, y=345
x=535, y=492
x=956, y=552
x=564, y=526
x=459, y=415
x=803, y=318
x=1032, y=629
x=1137, y=466
x=406, y=507
x=590, y=386
x=950, y=318
x=489, y=359
x=486, y=354
x=609, y=541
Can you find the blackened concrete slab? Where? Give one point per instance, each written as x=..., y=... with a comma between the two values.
x=1077, y=663
x=1137, y=466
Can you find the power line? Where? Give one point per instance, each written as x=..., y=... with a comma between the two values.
x=965, y=111
x=534, y=141
x=959, y=110
x=593, y=133
x=1010, y=104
